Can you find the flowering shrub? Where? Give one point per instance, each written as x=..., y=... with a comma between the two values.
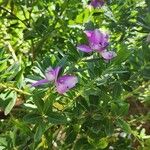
x=74, y=75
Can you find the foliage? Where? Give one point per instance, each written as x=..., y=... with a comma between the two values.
x=109, y=106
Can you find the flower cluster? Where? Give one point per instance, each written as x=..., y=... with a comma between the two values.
x=63, y=83
x=97, y=41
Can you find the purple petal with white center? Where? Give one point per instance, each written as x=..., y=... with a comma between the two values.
x=84, y=48
x=51, y=74
x=65, y=83
x=40, y=82
x=108, y=54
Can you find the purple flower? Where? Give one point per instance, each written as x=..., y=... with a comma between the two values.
x=97, y=3
x=108, y=54
x=50, y=75
x=97, y=41
x=63, y=83
x=66, y=82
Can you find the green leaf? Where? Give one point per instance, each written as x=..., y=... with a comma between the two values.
x=11, y=103
x=63, y=61
x=13, y=69
x=119, y=108
x=103, y=143
x=117, y=89
x=32, y=118
x=48, y=105
x=38, y=99
x=57, y=118
x=109, y=14
x=83, y=102
x=20, y=79
x=39, y=132
x=122, y=55
x=70, y=136
x=109, y=127
x=3, y=66
x=124, y=125
x=83, y=144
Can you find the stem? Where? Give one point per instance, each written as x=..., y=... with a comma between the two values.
x=49, y=137
x=12, y=51
x=28, y=23
x=33, y=50
x=136, y=90
x=2, y=8
x=7, y=86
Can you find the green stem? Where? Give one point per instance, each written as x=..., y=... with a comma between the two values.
x=136, y=90
x=10, y=87
x=12, y=51
x=2, y=8
x=49, y=137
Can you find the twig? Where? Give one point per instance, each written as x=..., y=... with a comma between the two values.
x=2, y=8
x=28, y=23
x=7, y=86
x=12, y=51
x=136, y=90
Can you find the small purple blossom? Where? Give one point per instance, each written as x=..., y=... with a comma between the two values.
x=63, y=83
x=108, y=54
x=97, y=3
x=66, y=82
x=97, y=41
x=52, y=74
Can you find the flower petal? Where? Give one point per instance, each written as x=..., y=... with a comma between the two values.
x=97, y=3
x=108, y=54
x=65, y=83
x=40, y=82
x=57, y=69
x=51, y=74
x=96, y=37
x=84, y=48
x=88, y=33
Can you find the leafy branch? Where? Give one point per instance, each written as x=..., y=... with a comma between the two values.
x=10, y=87
x=136, y=90
x=9, y=12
